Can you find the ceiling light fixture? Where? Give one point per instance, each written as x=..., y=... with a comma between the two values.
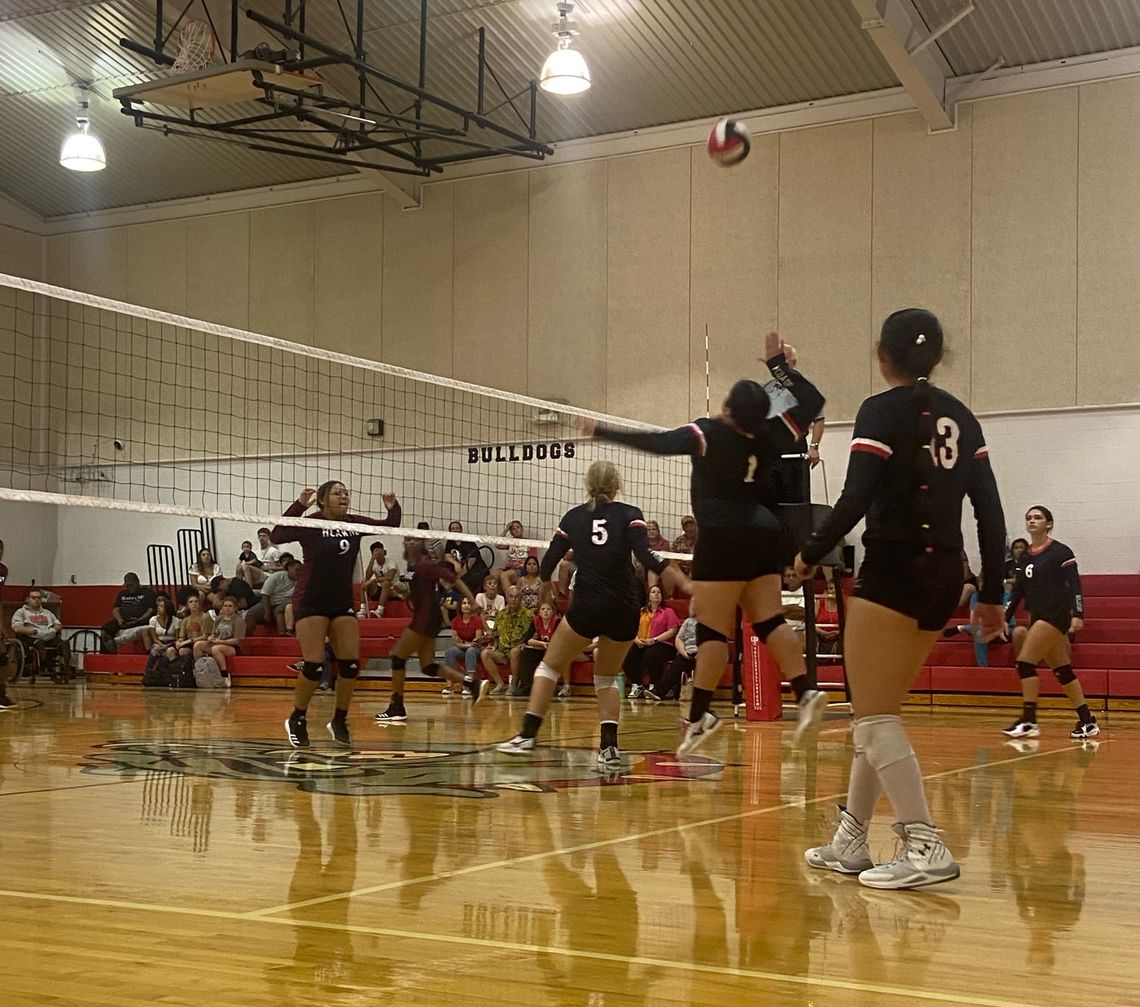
x=82, y=151
x=565, y=70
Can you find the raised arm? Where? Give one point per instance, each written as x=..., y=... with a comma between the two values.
x=389, y=520
x=289, y=533
x=788, y=428
x=686, y=440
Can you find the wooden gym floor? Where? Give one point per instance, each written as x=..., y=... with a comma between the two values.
x=169, y=848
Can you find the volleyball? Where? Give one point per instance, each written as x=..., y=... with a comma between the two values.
x=729, y=142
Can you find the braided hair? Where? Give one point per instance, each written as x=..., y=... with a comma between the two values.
x=912, y=341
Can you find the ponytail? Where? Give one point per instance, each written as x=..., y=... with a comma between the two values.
x=603, y=483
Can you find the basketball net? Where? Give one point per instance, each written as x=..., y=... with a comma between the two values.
x=196, y=47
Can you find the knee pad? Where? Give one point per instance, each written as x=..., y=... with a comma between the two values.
x=1026, y=670
x=431, y=670
x=545, y=671
x=1065, y=674
x=605, y=682
x=766, y=628
x=399, y=663
x=707, y=635
x=312, y=670
x=347, y=669
x=882, y=740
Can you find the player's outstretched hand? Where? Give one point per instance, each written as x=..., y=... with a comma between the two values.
x=389, y=499
x=803, y=571
x=586, y=426
x=773, y=345
x=988, y=620
x=307, y=496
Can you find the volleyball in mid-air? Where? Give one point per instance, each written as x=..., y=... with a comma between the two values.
x=729, y=142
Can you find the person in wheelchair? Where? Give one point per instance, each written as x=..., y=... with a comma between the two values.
x=38, y=631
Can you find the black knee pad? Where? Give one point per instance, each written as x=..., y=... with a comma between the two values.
x=1065, y=674
x=707, y=635
x=399, y=663
x=347, y=668
x=312, y=670
x=1026, y=670
x=431, y=670
x=766, y=628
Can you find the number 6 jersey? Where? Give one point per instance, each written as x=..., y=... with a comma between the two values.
x=882, y=483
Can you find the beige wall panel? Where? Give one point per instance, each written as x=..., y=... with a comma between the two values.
x=21, y=253
x=217, y=275
x=1108, y=282
x=647, y=311
x=825, y=258
x=734, y=250
x=921, y=234
x=418, y=282
x=157, y=265
x=1024, y=249
x=567, y=263
x=99, y=262
x=349, y=249
x=57, y=264
x=281, y=272
x=491, y=225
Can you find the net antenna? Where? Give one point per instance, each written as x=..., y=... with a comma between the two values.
x=196, y=47
x=708, y=394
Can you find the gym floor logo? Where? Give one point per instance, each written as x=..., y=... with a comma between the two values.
x=441, y=770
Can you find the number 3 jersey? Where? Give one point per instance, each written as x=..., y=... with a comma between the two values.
x=602, y=540
x=882, y=483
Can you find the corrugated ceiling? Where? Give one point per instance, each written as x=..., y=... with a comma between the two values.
x=653, y=62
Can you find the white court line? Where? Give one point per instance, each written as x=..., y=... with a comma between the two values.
x=583, y=847
x=533, y=949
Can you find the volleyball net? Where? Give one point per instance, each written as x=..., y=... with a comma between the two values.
x=129, y=410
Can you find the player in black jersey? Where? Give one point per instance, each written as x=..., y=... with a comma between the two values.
x=740, y=551
x=1048, y=582
x=323, y=601
x=607, y=604
x=916, y=451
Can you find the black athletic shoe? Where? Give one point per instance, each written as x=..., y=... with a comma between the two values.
x=338, y=731
x=297, y=731
x=6, y=701
x=395, y=714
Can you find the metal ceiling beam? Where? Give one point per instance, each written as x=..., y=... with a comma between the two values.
x=891, y=26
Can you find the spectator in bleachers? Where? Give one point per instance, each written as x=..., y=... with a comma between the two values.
x=134, y=605
x=6, y=702
x=433, y=546
x=511, y=625
x=204, y=570
x=468, y=634
x=162, y=630
x=38, y=630
x=273, y=608
x=489, y=602
x=516, y=555
x=222, y=587
x=686, y=541
x=657, y=541
x=681, y=666
x=654, y=644
x=265, y=560
x=530, y=584
x=472, y=566
x=534, y=647
x=969, y=582
x=449, y=597
x=1017, y=550
x=379, y=576
x=195, y=627
x=224, y=641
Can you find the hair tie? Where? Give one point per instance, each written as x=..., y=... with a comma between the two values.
x=921, y=339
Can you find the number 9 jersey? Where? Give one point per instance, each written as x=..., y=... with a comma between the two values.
x=607, y=596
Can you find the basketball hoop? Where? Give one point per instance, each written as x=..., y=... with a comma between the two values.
x=196, y=47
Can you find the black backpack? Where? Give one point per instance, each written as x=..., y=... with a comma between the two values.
x=182, y=672
x=157, y=673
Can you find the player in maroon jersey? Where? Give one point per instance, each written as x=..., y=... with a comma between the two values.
x=418, y=640
x=323, y=601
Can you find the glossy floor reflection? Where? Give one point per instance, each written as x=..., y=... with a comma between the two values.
x=169, y=848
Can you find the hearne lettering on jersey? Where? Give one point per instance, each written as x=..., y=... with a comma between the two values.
x=520, y=452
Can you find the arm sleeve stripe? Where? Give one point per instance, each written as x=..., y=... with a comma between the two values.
x=791, y=425
x=637, y=523
x=700, y=435
x=1070, y=562
x=871, y=447
x=562, y=533
x=982, y=452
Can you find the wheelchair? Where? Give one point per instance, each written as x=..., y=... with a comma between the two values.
x=28, y=661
